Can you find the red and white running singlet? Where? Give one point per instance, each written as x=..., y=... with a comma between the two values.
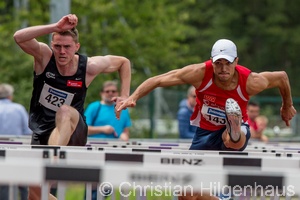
x=209, y=112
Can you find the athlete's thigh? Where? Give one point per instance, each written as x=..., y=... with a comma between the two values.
x=79, y=136
x=207, y=140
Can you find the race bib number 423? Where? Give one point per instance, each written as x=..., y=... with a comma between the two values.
x=53, y=98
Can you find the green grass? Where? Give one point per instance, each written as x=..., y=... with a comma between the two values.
x=75, y=191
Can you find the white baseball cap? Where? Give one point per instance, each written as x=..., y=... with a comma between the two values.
x=224, y=48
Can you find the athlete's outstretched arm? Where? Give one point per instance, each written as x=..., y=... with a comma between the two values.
x=257, y=82
x=192, y=74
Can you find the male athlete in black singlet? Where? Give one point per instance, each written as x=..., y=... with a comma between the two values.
x=61, y=79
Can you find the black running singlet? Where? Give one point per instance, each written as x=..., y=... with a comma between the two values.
x=51, y=90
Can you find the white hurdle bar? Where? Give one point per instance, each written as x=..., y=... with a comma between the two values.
x=277, y=167
x=254, y=152
x=266, y=166
x=185, y=144
x=164, y=145
x=37, y=172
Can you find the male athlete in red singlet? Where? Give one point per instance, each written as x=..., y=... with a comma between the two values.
x=210, y=113
x=223, y=89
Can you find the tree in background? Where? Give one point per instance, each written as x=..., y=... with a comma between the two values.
x=160, y=35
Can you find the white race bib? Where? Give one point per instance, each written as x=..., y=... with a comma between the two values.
x=53, y=98
x=214, y=115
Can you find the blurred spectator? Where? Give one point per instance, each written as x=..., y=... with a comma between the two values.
x=186, y=108
x=102, y=121
x=13, y=114
x=13, y=121
x=101, y=118
x=257, y=122
x=261, y=123
x=253, y=110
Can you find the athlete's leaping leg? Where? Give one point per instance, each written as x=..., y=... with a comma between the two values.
x=66, y=122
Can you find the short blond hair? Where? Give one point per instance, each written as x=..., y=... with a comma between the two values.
x=6, y=90
x=73, y=33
